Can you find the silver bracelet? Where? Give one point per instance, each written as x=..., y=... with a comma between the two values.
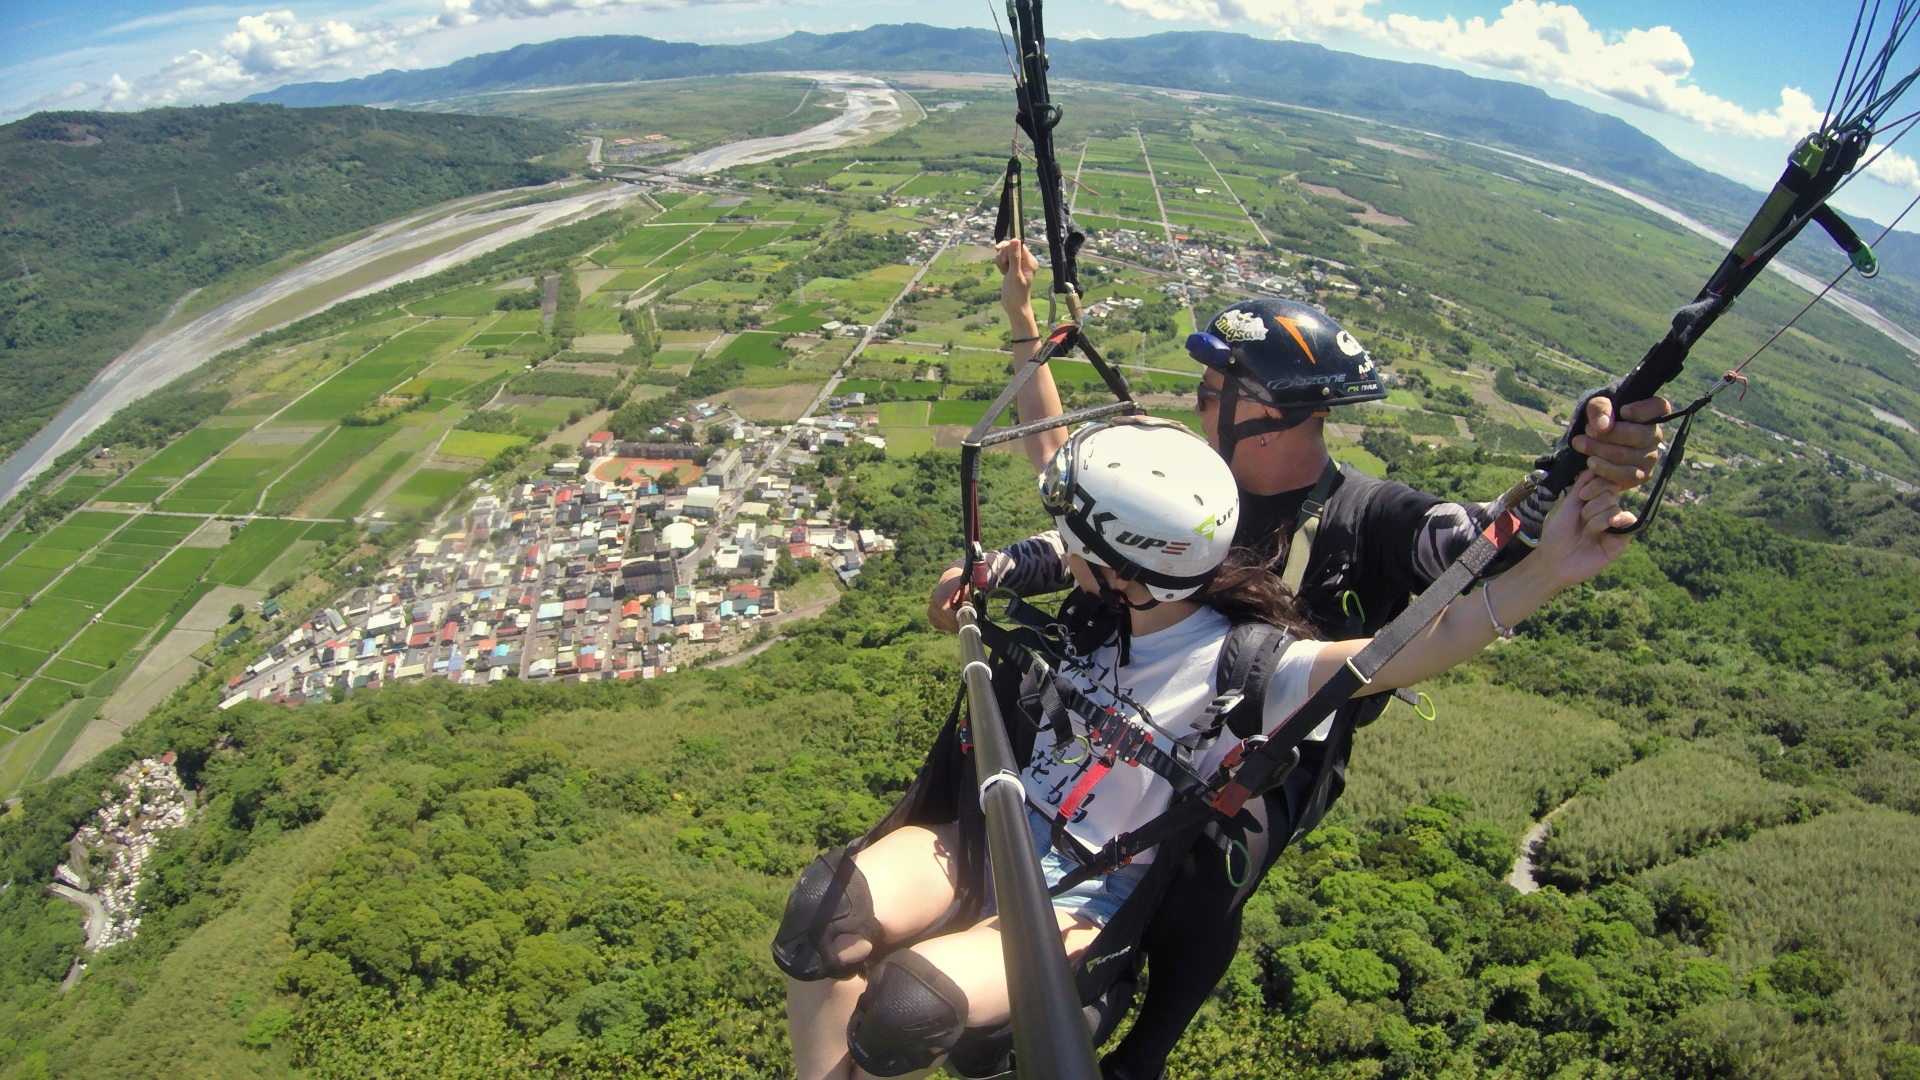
x=1486, y=594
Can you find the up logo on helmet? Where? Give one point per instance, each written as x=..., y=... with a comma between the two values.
x=1240, y=326
x=1348, y=344
x=1152, y=543
x=1213, y=523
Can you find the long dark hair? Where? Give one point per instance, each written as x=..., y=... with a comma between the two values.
x=1244, y=589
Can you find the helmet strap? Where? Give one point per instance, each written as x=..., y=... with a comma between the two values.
x=1230, y=432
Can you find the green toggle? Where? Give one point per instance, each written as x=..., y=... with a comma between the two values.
x=1864, y=261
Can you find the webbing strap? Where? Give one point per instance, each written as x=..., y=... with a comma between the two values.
x=1257, y=763
x=1300, y=548
x=1260, y=762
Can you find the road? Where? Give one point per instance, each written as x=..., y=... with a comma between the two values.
x=96, y=911
x=805, y=612
x=723, y=517
x=872, y=108
x=145, y=369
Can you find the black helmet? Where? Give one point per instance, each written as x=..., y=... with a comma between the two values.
x=1286, y=355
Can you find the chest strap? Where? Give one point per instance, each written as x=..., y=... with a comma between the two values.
x=1307, y=527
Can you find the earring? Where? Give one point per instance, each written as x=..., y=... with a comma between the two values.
x=1263, y=439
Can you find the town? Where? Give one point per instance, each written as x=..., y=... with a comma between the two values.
x=622, y=564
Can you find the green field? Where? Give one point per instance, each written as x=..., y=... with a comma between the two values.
x=477, y=444
x=252, y=549
x=343, y=447
x=45, y=558
x=142, y=607
x=644, y=245
x=178, y=571
x=34, y=702
x=72, y=671
x=756, y=350
x=427, y=489
x=19, y=661
x=158, y=473
x=368, y=377
x=356, y=501
x=94, y=585
x=47, y=624
x=104, y=643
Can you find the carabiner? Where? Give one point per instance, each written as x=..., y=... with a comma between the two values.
x=1084, y=754
x=1351, y=597
x=1245, y=858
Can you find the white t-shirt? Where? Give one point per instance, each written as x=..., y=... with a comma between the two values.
x=1171, y=677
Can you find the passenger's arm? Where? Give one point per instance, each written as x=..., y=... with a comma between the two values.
x=1574, y=546
x=1039, y=398
x=1032, y=567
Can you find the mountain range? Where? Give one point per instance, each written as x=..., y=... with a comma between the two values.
x=1438, y=100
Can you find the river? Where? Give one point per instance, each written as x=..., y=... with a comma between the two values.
x=871, y=108
x=148, y=367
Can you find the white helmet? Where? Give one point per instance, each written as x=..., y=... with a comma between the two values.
x=1146, y=497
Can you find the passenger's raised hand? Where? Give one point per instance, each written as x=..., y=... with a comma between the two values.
x=1017, y=267
x=943, y=609
x=1575, y=543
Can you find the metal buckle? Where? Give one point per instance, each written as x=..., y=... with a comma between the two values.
x=1225, y=703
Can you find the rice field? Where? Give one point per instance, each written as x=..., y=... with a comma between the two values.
x=252, y=549
x=104, y=643
x=93, y=585
x=356, y=501
x=756, y=349
x=47, y=625
x=179, y=571
x=142, y=607
x=34, y=702
x=151, y=479
x=646, y=244
x=477, y=444
x=427, y=489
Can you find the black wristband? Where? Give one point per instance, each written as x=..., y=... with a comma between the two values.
x=1026, y=340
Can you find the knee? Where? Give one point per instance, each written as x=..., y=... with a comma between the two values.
x=910, y=1016
x=829, y=929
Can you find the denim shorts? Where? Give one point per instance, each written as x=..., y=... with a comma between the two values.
x=1095, y=899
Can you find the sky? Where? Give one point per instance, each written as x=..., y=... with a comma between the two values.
x=1727, y=86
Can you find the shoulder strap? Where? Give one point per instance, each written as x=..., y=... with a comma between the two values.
x=1240, y=676
x=1300, y=548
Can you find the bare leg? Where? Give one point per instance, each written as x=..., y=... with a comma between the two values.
x=817, y=1015
x=910, y=873
x=911, y=876
x=973, y=960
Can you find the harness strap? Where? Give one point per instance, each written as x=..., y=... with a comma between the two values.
x=1300, y=548
x=1111, y=732
x=1260, y=762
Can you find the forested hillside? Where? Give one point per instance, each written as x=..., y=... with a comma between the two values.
x=112, y=217
x=579, y=881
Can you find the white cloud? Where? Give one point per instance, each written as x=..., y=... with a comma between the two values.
x=1535, y=39
x=276, y=47
x=66, y=93
x=1897, y=169
x=264, y=49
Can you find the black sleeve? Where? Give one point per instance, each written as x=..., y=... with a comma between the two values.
x=1407, y=539
x=1412, y=537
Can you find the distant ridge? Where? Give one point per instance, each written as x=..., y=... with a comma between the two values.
x=1421, y=96
x=1504, y=114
